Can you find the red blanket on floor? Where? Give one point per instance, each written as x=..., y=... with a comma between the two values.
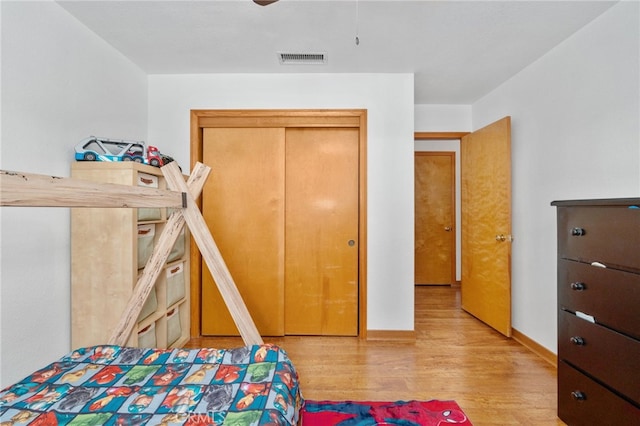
x=365, y=413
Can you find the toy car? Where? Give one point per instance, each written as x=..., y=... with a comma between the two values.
x=103, y=149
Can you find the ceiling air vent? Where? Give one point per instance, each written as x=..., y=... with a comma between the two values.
x=302, y=58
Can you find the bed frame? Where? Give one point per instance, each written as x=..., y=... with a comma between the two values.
x=113, y=384
x=33, y=190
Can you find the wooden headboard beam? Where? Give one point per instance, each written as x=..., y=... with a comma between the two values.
x=20, y=189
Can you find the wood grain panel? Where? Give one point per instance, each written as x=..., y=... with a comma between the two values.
x=434, y=217
x=438, y=135
x=93, y=323
x=213, y=259
x=486, y=213
x=314, y=118
x=278, y=118
x=248, y=121
x=243, y=203
x=321, y=221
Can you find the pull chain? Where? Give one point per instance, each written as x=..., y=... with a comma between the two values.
x=357, y=22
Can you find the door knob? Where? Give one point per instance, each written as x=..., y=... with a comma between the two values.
x=447, y=228
x=351, y=243
x=502, y=238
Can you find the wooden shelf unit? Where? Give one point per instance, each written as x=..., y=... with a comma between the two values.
x=108, y=251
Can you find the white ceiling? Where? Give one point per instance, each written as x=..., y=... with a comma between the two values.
x=458, y=50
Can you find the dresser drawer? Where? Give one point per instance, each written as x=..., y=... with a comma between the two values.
x=612, y=297
x=606, y=234
x=599, y=406
x=606, y=355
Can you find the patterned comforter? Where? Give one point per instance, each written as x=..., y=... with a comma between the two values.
x=114, y=385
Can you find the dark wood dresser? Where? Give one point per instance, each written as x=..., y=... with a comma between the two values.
x=599, y=311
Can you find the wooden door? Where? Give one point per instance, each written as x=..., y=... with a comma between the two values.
x=486, y=224
x=243, y=205
x=434, y=217
x=256, y=172
x=321, y=284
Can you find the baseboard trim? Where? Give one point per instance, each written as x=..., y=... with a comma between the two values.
x=535, y=347
x=392, y=335
x=410, y=336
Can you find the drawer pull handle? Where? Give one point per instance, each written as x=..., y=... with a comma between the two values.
x=578, y=286
x=577, y=340
x=578, y=232
x=578, y=396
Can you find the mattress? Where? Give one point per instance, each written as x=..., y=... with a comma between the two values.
x=114, y=385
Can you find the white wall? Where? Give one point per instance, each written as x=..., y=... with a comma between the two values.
x=389, y=101
x=60, y=83
x=442, y=118
x=575, y=134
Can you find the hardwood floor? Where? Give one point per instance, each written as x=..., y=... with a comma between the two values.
x=495, y=380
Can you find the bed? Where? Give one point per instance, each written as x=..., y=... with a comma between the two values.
x=116, y=385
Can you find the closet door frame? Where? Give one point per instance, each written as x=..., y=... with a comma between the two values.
x=350, y=118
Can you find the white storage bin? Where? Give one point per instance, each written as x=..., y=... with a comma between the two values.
x=174, y=328
x=175, y=283
x=149, y=306
x=177, y=251
x=146, y=234
x=146, y=213
x=147, y=337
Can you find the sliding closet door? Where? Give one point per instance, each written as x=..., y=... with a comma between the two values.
x=321, y=261
x=282, y=204
x=243, y=205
